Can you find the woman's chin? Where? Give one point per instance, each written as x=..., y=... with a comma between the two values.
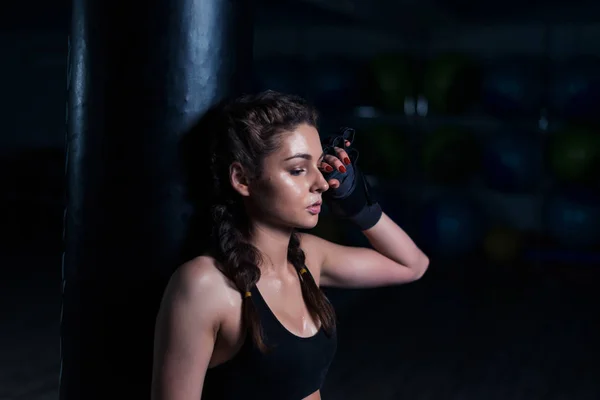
x=309, y=224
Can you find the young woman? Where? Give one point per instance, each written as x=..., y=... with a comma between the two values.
x=248, y=320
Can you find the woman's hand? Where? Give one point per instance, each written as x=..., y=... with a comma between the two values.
x=336, y=162
x=348, y=196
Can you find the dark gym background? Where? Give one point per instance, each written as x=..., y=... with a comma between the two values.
x=478, y=125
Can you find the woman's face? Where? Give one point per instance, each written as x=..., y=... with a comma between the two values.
x=289, y=191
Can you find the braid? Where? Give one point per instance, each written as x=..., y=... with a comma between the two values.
x=316, y=301
x=246, y=130
x=238, y=261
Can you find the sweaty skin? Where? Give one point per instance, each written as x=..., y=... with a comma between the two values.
x=291, y=182
x=199, y=322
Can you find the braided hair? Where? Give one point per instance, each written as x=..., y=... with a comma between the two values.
x=246, y=130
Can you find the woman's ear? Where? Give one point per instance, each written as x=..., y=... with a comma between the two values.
x=239, y=179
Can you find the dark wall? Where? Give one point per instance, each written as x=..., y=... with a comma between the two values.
x=33, y=78
x=33, y=103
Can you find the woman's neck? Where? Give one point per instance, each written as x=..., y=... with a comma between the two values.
x=273, y=246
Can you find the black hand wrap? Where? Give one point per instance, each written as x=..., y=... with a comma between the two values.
x=352, y=200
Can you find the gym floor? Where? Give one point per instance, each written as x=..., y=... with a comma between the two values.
x=440, y=338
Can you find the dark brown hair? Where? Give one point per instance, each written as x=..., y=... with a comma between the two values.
x=246, y=130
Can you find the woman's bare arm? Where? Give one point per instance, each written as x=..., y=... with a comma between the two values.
x=186, y=329
x=395, y=259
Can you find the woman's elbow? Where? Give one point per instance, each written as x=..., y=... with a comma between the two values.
x=421, y=266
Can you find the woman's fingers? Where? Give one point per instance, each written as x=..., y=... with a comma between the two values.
x=333, y=183
x=337, y=162
x=324, y=167
x=342, y=155
x=334, y=162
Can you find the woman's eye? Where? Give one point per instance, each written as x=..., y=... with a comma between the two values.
x=296, y=172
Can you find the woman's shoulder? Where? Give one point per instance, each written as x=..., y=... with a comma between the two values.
x=200, y=280
x=314, y=249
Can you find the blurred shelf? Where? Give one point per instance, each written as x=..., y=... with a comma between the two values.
x=522, y=210
x=574, y=257
x=476, y=38
x=428, y=189
x=514, y=11
x=411, y=15
x=365, y=117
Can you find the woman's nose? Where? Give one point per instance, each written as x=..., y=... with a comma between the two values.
x=321, y=184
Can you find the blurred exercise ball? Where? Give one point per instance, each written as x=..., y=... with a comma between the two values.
x=451, y=84
x=333, y=83
x=383, y=152
x=573, y=222
x=450, y=227
x=450, y=155
x=512, y=163
x=391, y=80
x=285, y=74
x=513, y=87
x=575, y=90
x=575, y=156
x=502, y=245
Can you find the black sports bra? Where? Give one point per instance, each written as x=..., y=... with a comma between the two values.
x=294, y=368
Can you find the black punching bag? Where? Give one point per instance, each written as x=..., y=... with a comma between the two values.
x=140, y=74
